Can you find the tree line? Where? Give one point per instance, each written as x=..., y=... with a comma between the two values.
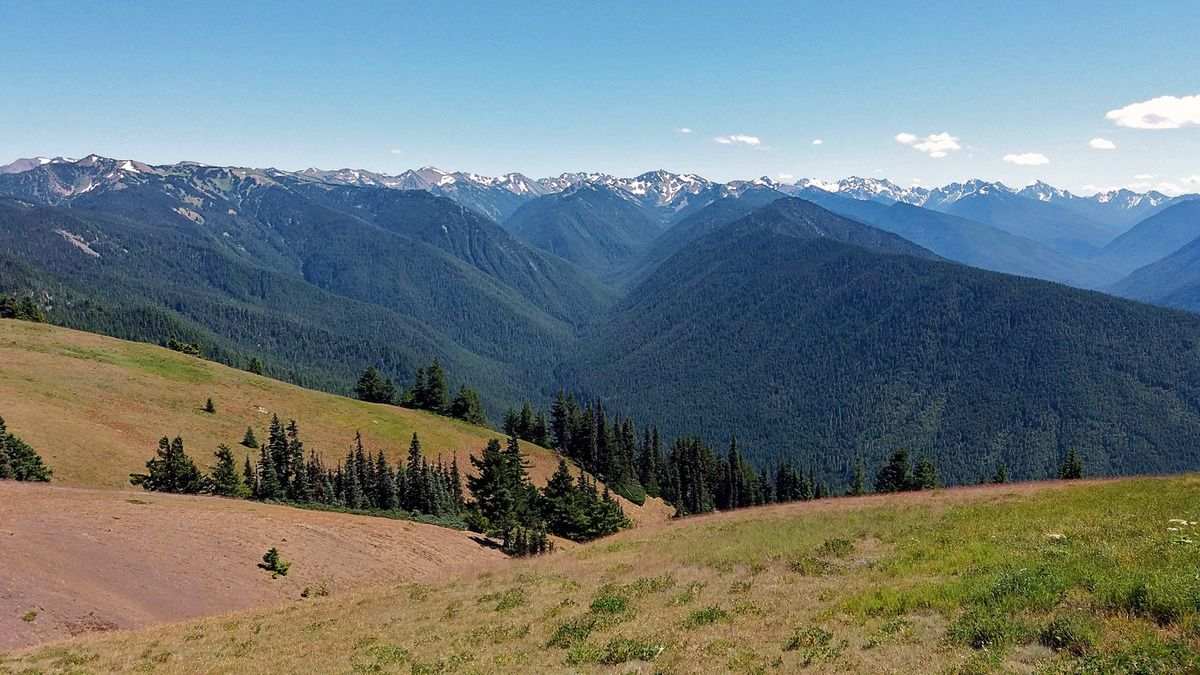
x=692, y=476
x=18, y=461
x=429, y=392
x=504, y=503
x=24, y=309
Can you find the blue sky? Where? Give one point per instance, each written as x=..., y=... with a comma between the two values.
x=544, y=88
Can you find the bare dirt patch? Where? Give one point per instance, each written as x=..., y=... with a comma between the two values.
x=75, y=561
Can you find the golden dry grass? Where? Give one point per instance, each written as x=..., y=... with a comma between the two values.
x=94, y=407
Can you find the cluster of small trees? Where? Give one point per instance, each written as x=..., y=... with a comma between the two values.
x=25, y=309
x=189, y=348
x=691, y=476
x=18, y=461
x=508, y=506
x=283, y=473
x=362, y=481
x=428, y=392
x=898, y=474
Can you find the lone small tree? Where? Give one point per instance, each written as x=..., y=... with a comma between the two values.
x=859, y=485
x=1001, y=474
x=274, y=564
x=255, y=366
x=1072, y=466
x=209, y=407
x=249, y=440
x=896, y=475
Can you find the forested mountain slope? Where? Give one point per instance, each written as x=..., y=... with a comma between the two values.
x=805, y=345
x=318, y=282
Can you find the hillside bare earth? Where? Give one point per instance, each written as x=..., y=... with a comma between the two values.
x=81, y=560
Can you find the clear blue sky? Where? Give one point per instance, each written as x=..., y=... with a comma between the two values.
x=549, y=87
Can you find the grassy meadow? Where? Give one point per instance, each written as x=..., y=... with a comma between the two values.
x=1097, y=577
x=94, y=407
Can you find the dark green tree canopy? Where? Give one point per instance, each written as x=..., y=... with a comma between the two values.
x=171, y=471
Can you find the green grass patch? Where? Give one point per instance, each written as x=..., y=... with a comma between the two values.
x=705, y=617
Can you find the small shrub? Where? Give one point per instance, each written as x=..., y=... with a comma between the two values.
x=807, y=639
x=1074, y=634
x=29, y=616
x=986, y=629
x=838, y=548
x=574, y=632
x=740, y=586
x=319, y=591
x=646, y=585
x=705, y=617
x=807, y=565
x=688, y=596
x=274, y=564
x=623, y=650
x=513, y=597
x=611, y=603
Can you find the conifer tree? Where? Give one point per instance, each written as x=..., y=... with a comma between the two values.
x=18, y=461
x=437, y=395
x=925, y=475
x=9, y=308
x=374, y=388
x=560, y=423
x=250, y=478
x=209, y=407
x=269, y=486
x=225, y=480
x=385, y=480
x=858, y=487
x=418, y=492
x=249, y=440
x=171, y=470
x=467, y=407
x=896, y=475
x=255, y=366
x=1001, y=475
x=1072, y=466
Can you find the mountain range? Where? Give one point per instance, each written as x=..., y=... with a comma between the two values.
x=813, y=321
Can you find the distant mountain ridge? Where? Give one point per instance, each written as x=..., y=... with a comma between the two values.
x=667, y=194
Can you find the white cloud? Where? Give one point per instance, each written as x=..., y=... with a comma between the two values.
x=1028, y=159
x=1164, y=112
x=786, y=176
x=752, y=141
x=684, y=130
x=817, y=141
x=934, y=145
x=1102, y=144
x=396, y=151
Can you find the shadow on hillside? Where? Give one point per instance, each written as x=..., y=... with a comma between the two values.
x=485, y=542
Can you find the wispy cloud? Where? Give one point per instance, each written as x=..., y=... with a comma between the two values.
x=1192, y=180
x=1144, y=176
x=396, y=151
x=1164, y=112
x=736, y=139
x=1027, y=159
x=934, y=145
x=1102, y=144
x=684, y=130
x=817, y=141
x=786, y=176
